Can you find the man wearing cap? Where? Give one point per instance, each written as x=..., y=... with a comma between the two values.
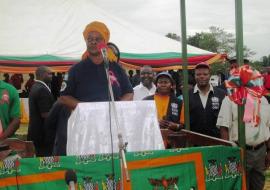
x=146, y=86
x=233, y=65
x=204, y=103
x=87, y=81
x=257, y=140
x=168, y=105
x=257, y=136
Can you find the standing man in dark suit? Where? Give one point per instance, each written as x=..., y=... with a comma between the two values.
x=40, y=103
x=204, y=103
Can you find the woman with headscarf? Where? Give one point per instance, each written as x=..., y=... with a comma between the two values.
x=168, y=106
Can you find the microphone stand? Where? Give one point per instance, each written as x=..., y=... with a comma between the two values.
x=121, y=145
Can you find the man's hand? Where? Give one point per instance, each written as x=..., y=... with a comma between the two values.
x=11, y=129
x=163, y=124
x=169, y=125
x=224, y=133
x=68, y=101
x=127, y=97
x=2, y=137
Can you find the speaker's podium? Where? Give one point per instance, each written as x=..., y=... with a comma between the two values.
x=91, y=126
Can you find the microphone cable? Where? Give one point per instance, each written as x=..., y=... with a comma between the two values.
x=16, y=175
x=17, y=183
x=71, y=179
x=110, y=124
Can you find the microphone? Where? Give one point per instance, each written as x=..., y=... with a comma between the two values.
x=71, y=179
x=102, y=47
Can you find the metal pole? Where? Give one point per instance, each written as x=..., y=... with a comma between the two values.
x=185, y=63
x=239, y=56
x=121, y=144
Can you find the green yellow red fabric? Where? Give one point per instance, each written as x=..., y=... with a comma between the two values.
x=158, y=61
x=211, y=168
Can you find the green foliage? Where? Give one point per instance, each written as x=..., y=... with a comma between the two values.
x=257, y=65
x=263, y=64
x=217, y=40
x=219, y=67
x=173, y=36
x=204, y=41
x=266, y=61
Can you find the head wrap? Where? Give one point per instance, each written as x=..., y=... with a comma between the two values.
x=105, y=33
x=98, y=27
x=111, y=55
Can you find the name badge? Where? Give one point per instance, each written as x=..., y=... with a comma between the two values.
x=215, y=103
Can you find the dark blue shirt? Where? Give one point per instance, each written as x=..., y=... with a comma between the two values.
x=87, y=82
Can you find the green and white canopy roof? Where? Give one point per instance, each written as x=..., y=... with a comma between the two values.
x=36, y=32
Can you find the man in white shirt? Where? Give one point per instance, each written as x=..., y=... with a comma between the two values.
x=146, y=86
x=257, y=140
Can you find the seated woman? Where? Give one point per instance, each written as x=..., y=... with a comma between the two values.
x=168, y=106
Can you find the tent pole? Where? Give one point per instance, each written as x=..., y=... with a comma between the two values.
x=185, y=62
x=239, y=56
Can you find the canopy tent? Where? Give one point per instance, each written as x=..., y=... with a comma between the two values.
x=36, y=32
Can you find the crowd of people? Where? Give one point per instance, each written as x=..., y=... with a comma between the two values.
x=23, y=87
x=211, y=111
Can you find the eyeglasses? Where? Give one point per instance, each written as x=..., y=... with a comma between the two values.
x=98, y=39
x=146, y=73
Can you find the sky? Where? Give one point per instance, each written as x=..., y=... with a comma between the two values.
x=163, y=16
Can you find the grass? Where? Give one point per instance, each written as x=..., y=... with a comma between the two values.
x=267, y=181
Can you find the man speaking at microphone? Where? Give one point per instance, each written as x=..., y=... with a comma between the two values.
x=87, y=80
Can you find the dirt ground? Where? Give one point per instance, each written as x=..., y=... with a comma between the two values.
x=267, y=185
x=267, y=182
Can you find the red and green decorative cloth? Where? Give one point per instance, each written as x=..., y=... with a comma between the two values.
x=167, y=61
x=159, y=61
x=245, y=87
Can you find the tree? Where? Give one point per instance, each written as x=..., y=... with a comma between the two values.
x=257, y=65
x=219, y=41
x=265, y=61
x=215, y=40
x=173, y=36
x=204, y=41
